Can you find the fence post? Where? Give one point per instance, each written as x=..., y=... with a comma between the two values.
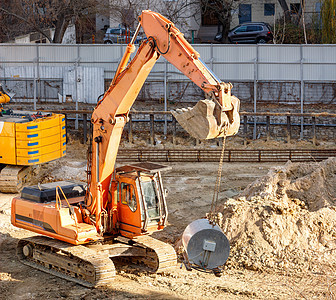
x=288, y=129
x=255, y=90
x=212, y=57
x=130, y=129
x=314, y=130
x=301, y=90
x=245, y=130
x=151, y=117
x=85, y=127
x=174, y=130
x=37, y=77
x=76, y=85
x=268, y=121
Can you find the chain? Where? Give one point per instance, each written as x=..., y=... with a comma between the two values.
x=212, y=217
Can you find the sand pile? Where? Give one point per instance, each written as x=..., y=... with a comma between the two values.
x=61, y=170
x=285, y=220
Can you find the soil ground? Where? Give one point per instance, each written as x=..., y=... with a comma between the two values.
x=190, y=188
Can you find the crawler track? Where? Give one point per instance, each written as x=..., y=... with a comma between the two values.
x=160, y=256
x=75, y=263
x=92, y=266
x=213, y=155
x=12, y=178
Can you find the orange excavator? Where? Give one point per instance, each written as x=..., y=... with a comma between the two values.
x=85, y=230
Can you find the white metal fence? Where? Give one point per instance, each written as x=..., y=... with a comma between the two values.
x=298, y=74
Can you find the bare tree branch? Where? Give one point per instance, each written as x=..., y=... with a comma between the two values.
x=26, y=21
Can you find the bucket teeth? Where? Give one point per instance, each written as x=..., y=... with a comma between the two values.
x=206, y=120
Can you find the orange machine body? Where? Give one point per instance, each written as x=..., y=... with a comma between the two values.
x=135, y=206
x=47, y=219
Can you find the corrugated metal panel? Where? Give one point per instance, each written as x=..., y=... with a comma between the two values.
x=18, y=53
x=90, y=84
x=234, y=72
x=51, y=72
x=100, y=53
x=319, y=53
x=229, y=63
x=58, y=53
x=20, y=72
x=234, y=53
x=279, y=62
x=286, y=72
x=279, y=54
x=319, y=72
x=319, y=62
x=234, y=62
x=69, y=83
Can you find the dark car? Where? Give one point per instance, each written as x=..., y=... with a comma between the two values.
x=120, y=36
x=254, y=32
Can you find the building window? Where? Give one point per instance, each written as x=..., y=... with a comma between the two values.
x=245, y=14
x=269, y=9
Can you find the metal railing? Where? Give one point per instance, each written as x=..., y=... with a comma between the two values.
x=169, y=125
x=230, y=155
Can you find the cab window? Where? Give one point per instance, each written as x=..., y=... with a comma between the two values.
x=151, y=199
x=128, y=196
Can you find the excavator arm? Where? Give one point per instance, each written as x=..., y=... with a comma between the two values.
x=4, y=96
x=214, y=117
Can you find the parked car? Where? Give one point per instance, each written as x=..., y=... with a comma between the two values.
x=254, y=32
x=120, y=35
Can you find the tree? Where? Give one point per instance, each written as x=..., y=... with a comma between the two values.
x=286, y=10
x=38, y=15
x=126, y=12
x=328, y=16
x=221, y=9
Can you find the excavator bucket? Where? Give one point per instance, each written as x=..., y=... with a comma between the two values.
x=206, y=120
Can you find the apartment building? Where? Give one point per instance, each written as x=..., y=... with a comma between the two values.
x=270, y=10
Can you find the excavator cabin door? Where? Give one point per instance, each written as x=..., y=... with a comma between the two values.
x=129, y=211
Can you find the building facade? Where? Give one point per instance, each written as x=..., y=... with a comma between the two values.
x=188, y=17
x=270, y=10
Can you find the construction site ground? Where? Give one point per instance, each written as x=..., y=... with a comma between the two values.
x=190, y=187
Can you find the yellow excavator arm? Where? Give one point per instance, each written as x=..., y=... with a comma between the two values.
x=213, y=117
x=4, y=96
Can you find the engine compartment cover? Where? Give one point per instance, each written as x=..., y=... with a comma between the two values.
x=46, y=192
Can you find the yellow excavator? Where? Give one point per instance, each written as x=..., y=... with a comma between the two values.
x=27, y=139
x=84, y=230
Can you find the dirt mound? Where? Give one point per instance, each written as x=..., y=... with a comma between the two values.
x=285, y=220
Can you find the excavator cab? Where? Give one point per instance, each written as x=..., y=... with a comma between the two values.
x=140, y=199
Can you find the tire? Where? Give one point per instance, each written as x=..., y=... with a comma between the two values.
x=261, y=41
x=108, y=42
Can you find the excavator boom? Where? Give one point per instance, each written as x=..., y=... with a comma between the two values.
x=210, y=118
